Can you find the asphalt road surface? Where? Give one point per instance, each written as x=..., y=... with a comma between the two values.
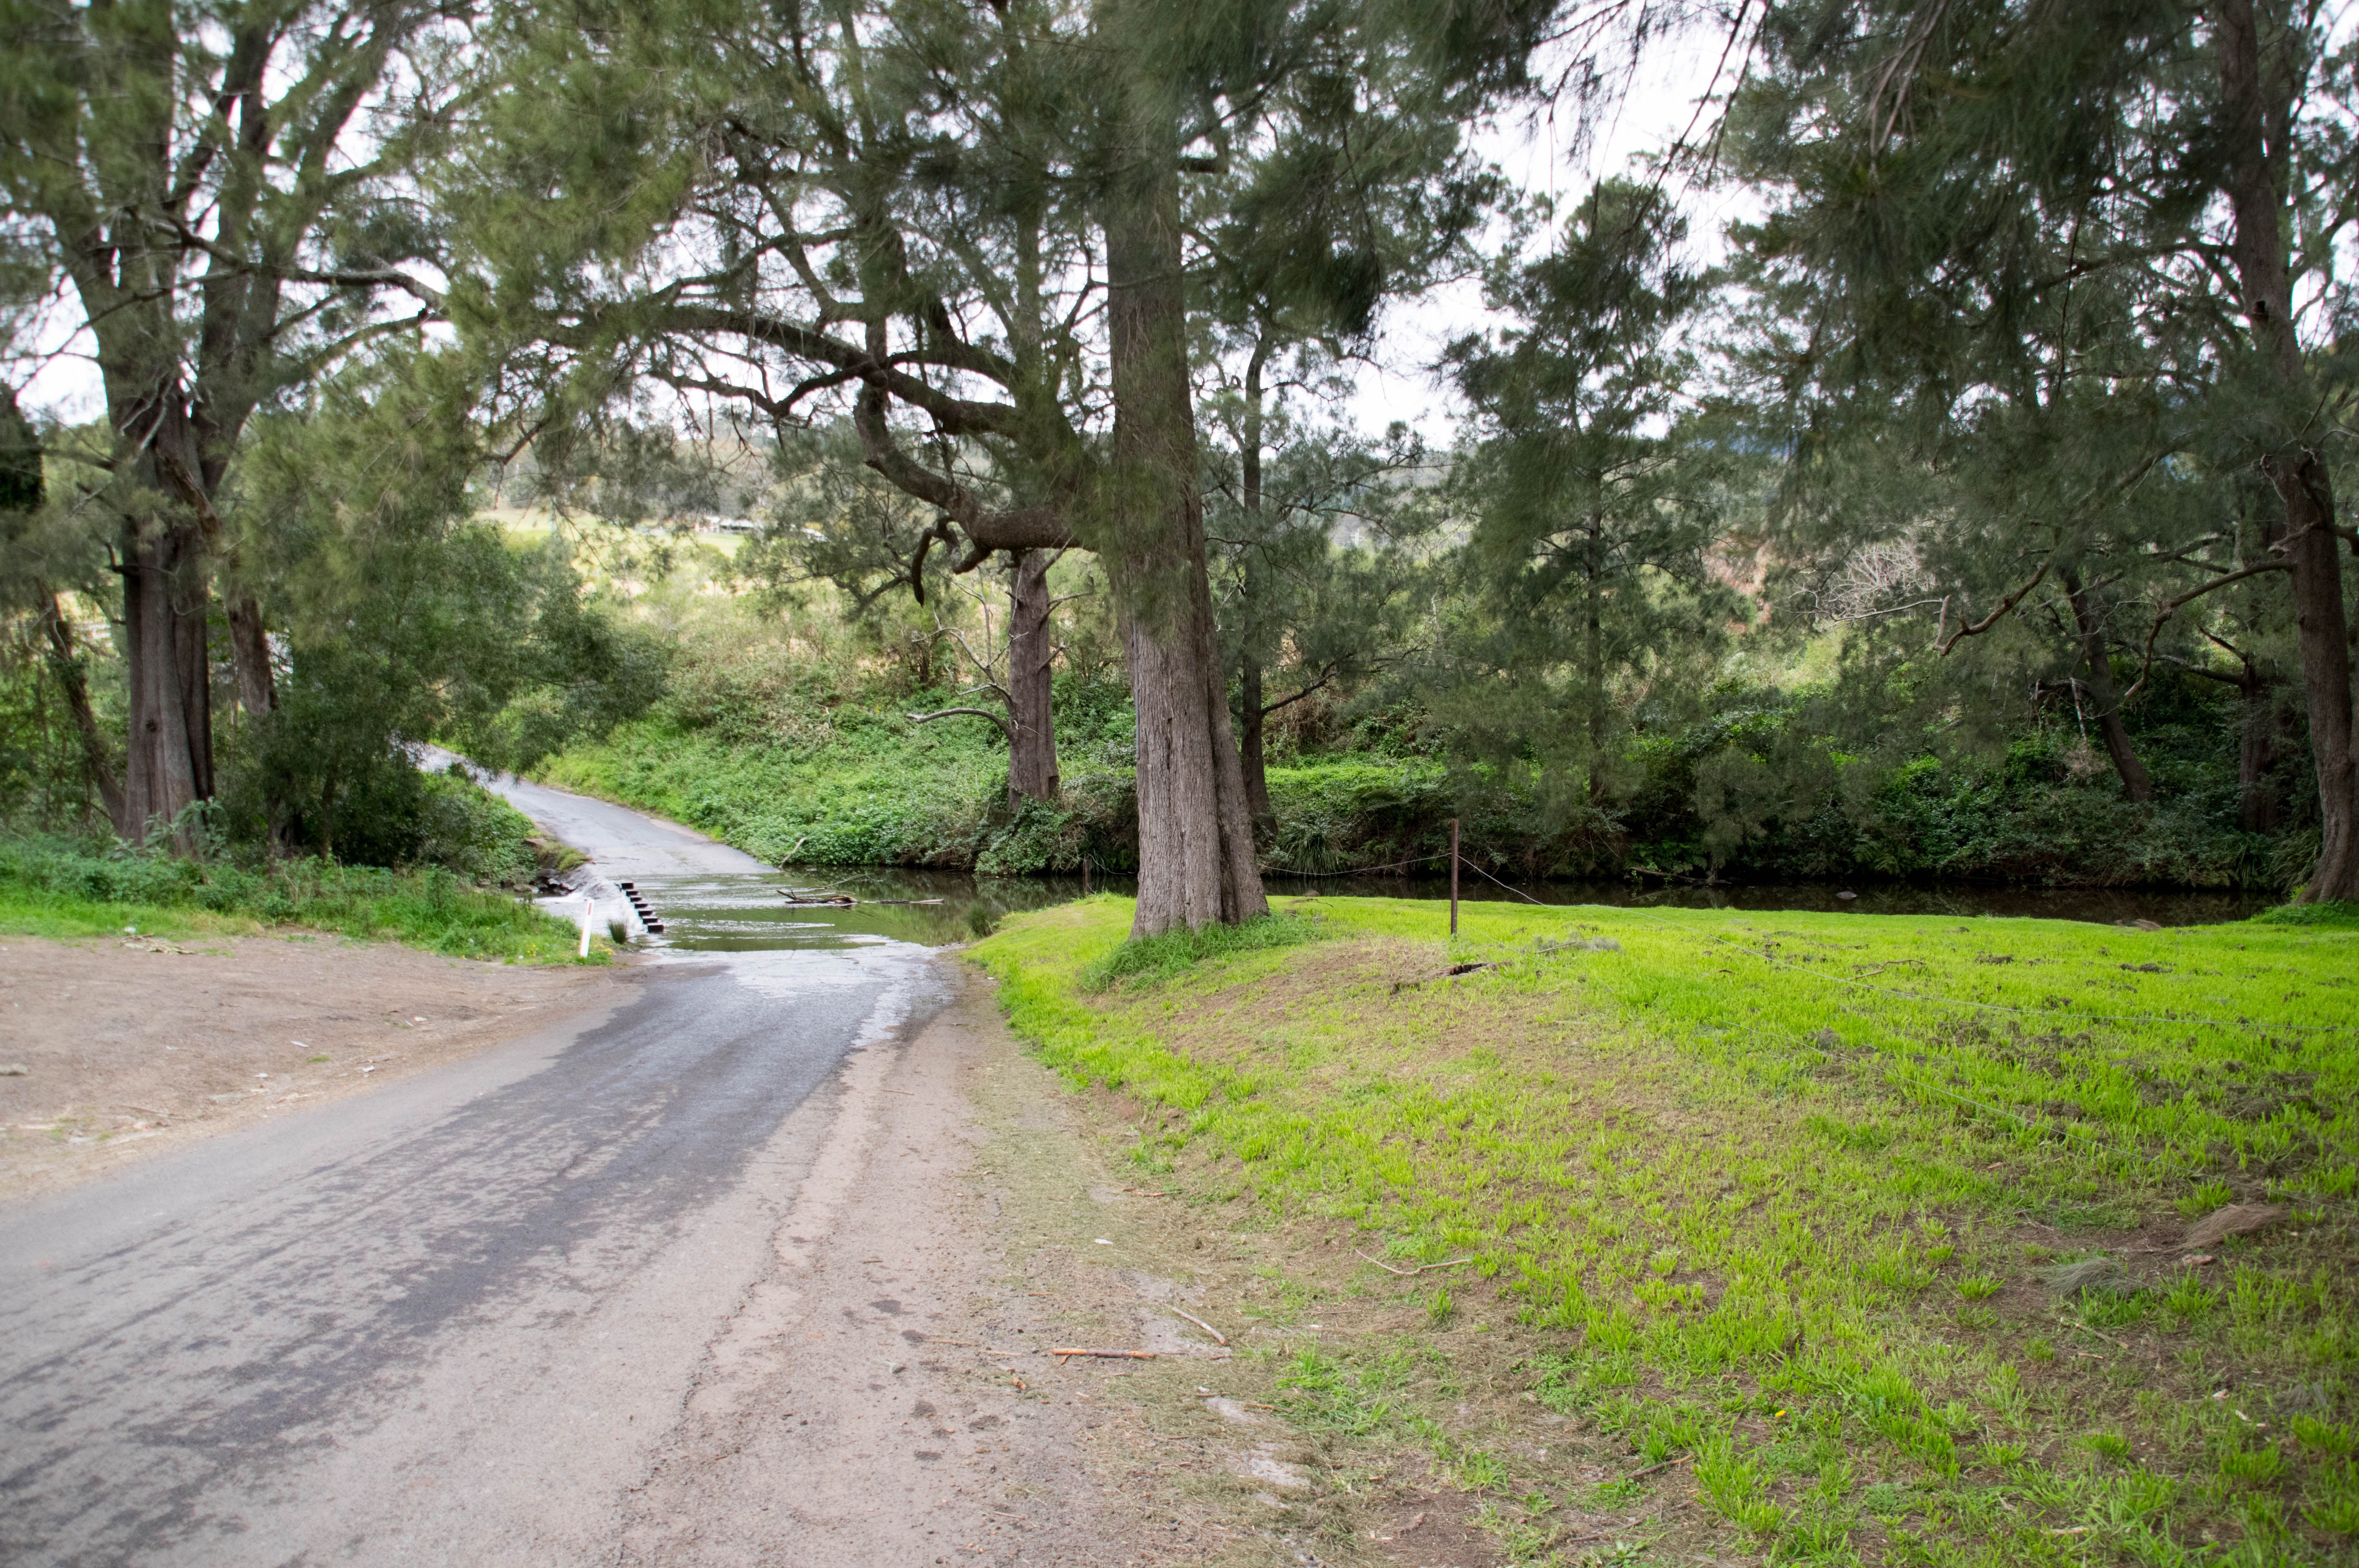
x=484, y=1314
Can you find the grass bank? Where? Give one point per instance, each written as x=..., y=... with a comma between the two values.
x=853, y=785
x=59, y=889
x=842, y=782
x=1824, y=1237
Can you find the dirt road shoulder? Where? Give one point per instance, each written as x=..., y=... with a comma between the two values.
x=893, y=1392
x=130, y=1048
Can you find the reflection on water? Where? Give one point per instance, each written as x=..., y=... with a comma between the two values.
x=738, y=912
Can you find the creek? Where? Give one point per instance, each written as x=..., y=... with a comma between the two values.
x=744, y=912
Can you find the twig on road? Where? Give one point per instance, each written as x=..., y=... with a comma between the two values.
x=1199, y=1322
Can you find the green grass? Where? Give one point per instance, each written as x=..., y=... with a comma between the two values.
x=864, y=789
x=1782, y=1195
x=66, y=891
x=1153, y=960
x=855, y=785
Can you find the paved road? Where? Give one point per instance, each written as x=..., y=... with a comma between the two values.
x=444, y=1322
x=625, y=843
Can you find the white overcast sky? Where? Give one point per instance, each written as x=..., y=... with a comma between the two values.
x=1540, y=152
x=1544, y=156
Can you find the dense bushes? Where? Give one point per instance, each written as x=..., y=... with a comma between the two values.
x=799, y=765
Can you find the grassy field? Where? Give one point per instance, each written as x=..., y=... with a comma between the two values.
x=67, y=892
x=1854, y=1238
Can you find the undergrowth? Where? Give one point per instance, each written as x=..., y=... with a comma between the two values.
x=1786, y=1200
x=65, y=889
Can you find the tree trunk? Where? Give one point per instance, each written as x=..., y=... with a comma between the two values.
x=2294, y=470
x=1250, y=673
x=2098, y=666
x=1592, y=657
x=249, y=655
x=1256, y=719
x=1032, y=733
x=167, y=766
x=65, y=663
x=249, y=647
x=1195, y=831
x=2256, y=753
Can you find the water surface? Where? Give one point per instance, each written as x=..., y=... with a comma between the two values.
x=734, y=912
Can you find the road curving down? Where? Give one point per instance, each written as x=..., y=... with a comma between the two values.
x=690, y=1278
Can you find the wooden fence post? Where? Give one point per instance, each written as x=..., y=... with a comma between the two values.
x=1453, y=876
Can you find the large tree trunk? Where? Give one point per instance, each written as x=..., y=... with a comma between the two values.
x=1195, y=830
x=1256, y=720
x=2097, y=667
x=1255, y=715
x=249, y=656
x=1031, y=656
x=249, y=647
x=167, y=766
x=2300, y=480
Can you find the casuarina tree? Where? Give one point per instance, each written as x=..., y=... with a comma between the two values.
x=954, y=223
x=216, y=189
x=1988, y=166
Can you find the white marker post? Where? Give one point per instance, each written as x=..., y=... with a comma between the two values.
x=589, y=907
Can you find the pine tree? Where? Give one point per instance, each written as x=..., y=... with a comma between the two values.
x=905, y=208
x=185, y=176
x=1949, y=180
x=1597, y=504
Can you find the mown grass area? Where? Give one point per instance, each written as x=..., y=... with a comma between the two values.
x=1784, y=1210
x=63, y=890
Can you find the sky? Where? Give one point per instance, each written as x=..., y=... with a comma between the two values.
x=1542, y=155
x=1538, y=153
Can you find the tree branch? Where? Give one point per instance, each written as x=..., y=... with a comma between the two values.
x=1006, y=733
x=1319, y=684
x=1977, y=628
x=2174, y=607
x=364, y=278
x=1015, y=528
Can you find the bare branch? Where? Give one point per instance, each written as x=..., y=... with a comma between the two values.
x=2192, y=594
x=1006, y=733
x=1977, y=628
